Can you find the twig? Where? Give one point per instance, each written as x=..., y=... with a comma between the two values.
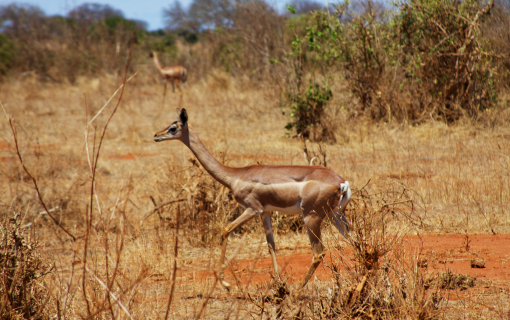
x=50, y=211
x=232, y=256
x=69, y=284
x=13, y=130
x=95, y=157
x=357, y=291
x=215, y=283
x=174, y=274
x=84, y=274
x=114, y=94
x=87, y=148
x=163, y=205
x=208, y=296
x=119, y=248
x=108, y=122
x=366, y=184
x=111, y=293
x=41, y=308
x=396, y=202
x=469, y=36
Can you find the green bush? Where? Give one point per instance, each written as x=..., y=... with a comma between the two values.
x=7, y=52
x=307, y=111
x=426, y=59
x=444, y=55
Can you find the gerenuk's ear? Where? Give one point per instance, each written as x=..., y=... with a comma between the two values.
x=184, y=117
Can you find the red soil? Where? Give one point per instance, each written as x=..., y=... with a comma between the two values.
x=5, y=146
x=441, y=251
x=130, y=156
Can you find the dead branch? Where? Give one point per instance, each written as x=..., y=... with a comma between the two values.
x=174, y=272
x=13, y=130
x=163, y=205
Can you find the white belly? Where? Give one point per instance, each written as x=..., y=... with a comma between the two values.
x=295, y=209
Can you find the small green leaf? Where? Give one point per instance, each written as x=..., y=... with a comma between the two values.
x=291, y=9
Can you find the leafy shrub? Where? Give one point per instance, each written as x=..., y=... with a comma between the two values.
x=307, y=104
x=444, y=57
x=7, y=52
x=426, y=59
x=307, y=110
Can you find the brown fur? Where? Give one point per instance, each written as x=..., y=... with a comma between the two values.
x=172, y=73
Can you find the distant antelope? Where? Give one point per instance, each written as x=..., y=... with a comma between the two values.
x=170, y=74
x=311, y=191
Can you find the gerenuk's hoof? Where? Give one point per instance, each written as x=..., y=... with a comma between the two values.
x=225, y=285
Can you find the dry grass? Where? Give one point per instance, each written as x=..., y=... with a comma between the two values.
x=457, y=177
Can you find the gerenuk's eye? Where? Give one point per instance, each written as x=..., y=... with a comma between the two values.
x=173, y=129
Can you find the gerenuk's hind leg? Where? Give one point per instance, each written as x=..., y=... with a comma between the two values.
x=266, y=222
x=313, y=228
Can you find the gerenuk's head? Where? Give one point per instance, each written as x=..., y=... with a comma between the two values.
x=176, y=130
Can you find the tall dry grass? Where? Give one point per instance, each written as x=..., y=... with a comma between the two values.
x=457, y=177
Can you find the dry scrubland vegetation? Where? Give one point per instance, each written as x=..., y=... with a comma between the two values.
x=419, y=162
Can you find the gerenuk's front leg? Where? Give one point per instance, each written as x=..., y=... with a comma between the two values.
x=247, y=215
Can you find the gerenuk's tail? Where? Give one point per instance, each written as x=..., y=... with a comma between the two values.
x=337, y=216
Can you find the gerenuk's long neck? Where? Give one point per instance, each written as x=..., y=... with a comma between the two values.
x=156, y=61
x=225, y=175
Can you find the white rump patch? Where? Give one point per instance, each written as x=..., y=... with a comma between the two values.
x=346, y=195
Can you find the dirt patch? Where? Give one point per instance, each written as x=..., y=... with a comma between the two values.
x=449, y=252
x=8, y=159
x=5, y=146
x=12, y=147
x=130, y=156
x=442, y=253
